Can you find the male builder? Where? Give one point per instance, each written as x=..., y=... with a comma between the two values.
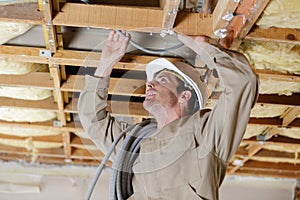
x=187, y=155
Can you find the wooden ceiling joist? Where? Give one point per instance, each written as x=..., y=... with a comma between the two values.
x=33, y=79
x=129, y=18
x=45, y=104
x=18, y=13
x=170, y=13
x=274, y=34
x=48, y=125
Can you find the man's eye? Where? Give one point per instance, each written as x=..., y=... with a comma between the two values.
x=162, y=79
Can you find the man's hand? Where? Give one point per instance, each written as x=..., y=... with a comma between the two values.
x=197, y=44
x=112, y=53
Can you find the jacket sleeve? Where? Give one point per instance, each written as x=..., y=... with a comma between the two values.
x=100, y=126
x=227, y=122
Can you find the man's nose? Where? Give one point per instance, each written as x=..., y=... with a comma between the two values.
x=150, y=84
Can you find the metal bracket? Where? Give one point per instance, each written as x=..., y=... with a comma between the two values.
x=45, y=53
x=57, y=123
x=228, y=17
x=262, y=137
x=238, y=162
x=220, y=32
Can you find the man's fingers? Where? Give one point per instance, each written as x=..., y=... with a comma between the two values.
x=111, y=35
x=116, y=37
x=125, y=43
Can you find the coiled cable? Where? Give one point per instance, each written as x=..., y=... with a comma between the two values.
x=120, y=181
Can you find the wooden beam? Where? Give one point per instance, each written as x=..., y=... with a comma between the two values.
x=66, y=136
x=243, y=18
x=223, y=14
x=276, y=76
x=130, y=18
x=91, y=59
x=256, y=10
x=116, y=108
x=130, y=87
x=254, y=148
x=274, y=34
x=49, y=125
x=267, y=172
x=48, y=28
x=275, y=99
x=33, y=79
x=22, y=13
x=291, y=115
x=274, y=122
x=108, y=16
x=23, y=54
x=170, y=13
x=194, y=24
x=282, y=141
x=45, y=104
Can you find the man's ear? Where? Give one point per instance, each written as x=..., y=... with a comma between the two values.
x=185, y=96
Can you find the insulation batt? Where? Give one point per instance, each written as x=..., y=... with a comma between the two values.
x=25, y=115
x=274, y=56
x=12, y=67
x=24, y=93
x=27, y=132
x=281, y=13
x=27, y=93
x=10, y=30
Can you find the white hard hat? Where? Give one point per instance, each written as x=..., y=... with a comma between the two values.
x=190, y=74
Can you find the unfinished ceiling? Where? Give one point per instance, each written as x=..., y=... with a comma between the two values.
x=40, y=81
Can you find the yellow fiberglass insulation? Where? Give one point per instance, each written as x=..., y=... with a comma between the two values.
x=10, y=30
x=26, y=93
x=13, y=67
x=25, y=115
x=27, y=132
x=281, y=13
x=273, y=56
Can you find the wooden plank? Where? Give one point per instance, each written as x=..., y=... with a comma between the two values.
x=245, y=16
x=22, y=13
x=105, y=16
x=49, y=125
x=291, y=115
x=293, y=100
x=33, y=79
x=265, y=172
x=45, y=104
x=55, y=74
x=255, y=12
x=277, y=76
x=274, y=34
x=130, y=18
x=48, y=139
x=66, y=136
x=22, y=54
x=131, y=87
x=48, y=28
x=116, y=108
x=170, y=13
x=87, y=154
x=274, y=122
x=194, y=24
x=223, y=13
x=91, y=59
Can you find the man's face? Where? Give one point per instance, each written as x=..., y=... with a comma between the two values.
x=161, y=92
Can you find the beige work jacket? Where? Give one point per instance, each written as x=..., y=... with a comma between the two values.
x=186, y=159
